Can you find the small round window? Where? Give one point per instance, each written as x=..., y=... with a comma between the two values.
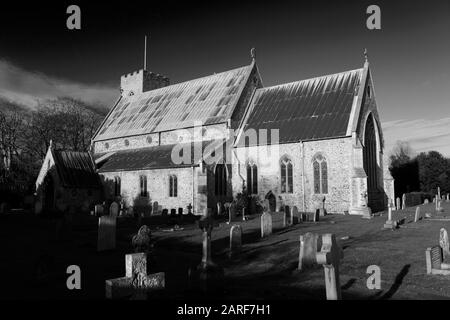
x=127, y=143
x=149, y=139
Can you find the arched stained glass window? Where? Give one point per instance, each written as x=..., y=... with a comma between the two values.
x=252, y=178
x=320, y=171
x=286, y=171
x=173, y=186
x=220, y=178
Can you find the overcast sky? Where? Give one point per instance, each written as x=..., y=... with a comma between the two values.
x=409, y=56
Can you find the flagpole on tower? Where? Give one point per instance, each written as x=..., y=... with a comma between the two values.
x=145, y=53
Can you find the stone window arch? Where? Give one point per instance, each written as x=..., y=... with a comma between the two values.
x=286, y=174
x=173, y=186
x=252, y=177
x=143, y=186
x=220, y=180
x=320, y=170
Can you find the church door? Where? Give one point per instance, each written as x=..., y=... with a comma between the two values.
x=49, y=194
x=370, y=165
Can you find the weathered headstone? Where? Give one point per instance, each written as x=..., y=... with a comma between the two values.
x=417, y=216
x=106, y=233
x=398, y=204
x=114, y=209
x=210, y=274
x=232, y=212
x=439, y=193
x=266, y=224
x=434, y=261
x=330, y=256
x=136, y=281
x=444, y=242
x=141, y=242
x=244, y=217
x=219, y=209
x=155, y=207
x=448, y=197
x=98, y=210
x=316, y=216
x=295, y=215
x=235, y=240
x=308, y=250
x=404, y=202
x=426, y=201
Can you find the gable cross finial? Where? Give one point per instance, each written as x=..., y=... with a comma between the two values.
x=366, y=57
x=253, y=54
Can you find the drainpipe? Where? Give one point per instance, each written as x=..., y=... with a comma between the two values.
x=193, y=189
x=303, y=175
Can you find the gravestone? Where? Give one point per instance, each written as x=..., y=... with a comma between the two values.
x=417, y=216
x=114, y=209
x=308, y=250
x=330, y=256
x=235, y=240
x=448, y=197
x=444, y=242
x=106, y=233
x=295, y=215
x=136, y=282
x=98, y=210
x=426, y=201
x=266, y=224
x=390, y=223
x=210, y=274
x=439, y=193
x=244, y=217
x=287, y=217
x=316, y=216
x=434, y=262
x=155, y=207
x=180, y=212
x=189, y=208
x=404, y=202
x=232, y=212
x=173, y=212
x=219, y=209
x=322, y=210
x=141, y=241
x=398, y=203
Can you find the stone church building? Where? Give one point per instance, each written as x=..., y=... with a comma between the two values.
x=308, y=143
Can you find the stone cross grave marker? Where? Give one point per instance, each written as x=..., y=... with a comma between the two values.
x=136, y=281
x=114, y=209
x=398, y=203
x=206, y=224
x=404, y=202
x=390, y=223
x=444, y=242
x=235, y=240
x=244, y=217
x=330, y=256
x=266, y=224
x=106, y=233
x=308, y=250
x=434, y=262
x=417, y=216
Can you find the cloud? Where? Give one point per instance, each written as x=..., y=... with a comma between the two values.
x=27, y=88
x=421, y=134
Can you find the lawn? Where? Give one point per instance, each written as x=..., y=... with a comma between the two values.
x=266, y=268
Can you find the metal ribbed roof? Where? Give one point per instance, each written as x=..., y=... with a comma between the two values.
x=310, y=109
x=209, y=100
x=76, y=169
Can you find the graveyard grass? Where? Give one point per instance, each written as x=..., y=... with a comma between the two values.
x=265, y=268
